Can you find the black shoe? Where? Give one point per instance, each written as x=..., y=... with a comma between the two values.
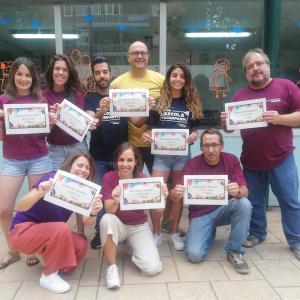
x=238, y=262
x=296, y=252
x=96, y=241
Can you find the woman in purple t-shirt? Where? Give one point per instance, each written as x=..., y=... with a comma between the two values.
x=40, y=226
x=23, y=154
x=131, y=225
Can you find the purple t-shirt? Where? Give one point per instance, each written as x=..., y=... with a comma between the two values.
x=22, y=146
x=58, y=136
x=228, y=165
x=129, y=217
x=265, y=148
x=42, y=211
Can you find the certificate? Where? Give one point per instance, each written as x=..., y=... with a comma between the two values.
x=141, y=193
x=73, y=120
x=129, y=102
x=26, y=118
x=246, y=114
x=205, y=189
x=72, y=192
x=170, y=141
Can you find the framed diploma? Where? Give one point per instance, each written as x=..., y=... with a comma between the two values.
x=170, y=141
x=205, y=189
x=246, y=114
x=142, y=193
x=72, y=192
x=73, y=120
x=26, y=118
x=129, y=102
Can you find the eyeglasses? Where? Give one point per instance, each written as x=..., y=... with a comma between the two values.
x=207, y=146
x=258, y=64
x=64, y=70
x=139, y=53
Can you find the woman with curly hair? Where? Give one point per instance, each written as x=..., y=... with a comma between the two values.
x=179, y=108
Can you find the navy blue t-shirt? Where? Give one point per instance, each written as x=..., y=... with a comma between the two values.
x=111, y=132
x=177, y=116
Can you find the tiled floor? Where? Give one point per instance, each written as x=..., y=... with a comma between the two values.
x=275, y=274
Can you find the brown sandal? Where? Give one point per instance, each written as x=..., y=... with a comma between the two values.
x=13, y=257
x=32, y=261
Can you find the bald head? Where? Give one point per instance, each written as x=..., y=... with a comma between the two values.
x=138, y=44
x=138, y=58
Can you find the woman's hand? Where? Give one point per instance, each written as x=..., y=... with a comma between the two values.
x=151, y=102
x=192, y=137
x=116, y=194
x=146, y=137
x=45, y=186
x=94, y=124
x=97, y=205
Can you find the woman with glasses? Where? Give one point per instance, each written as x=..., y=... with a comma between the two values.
x=179, y=108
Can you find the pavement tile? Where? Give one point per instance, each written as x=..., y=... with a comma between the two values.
x=204, y=271
x=280, y=273
x=132, y=275
x=245, y=290
x=290, y=293
x=91, y=272
x=273, y=251
x=32, y=290
x=135, y=292
x=191, y=291
x=9, y=289
x=87, y=293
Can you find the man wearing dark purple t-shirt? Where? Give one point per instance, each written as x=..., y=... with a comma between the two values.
x=205, y=218
x=267, y=154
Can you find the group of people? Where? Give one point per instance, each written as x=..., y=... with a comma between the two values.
x=118, y=149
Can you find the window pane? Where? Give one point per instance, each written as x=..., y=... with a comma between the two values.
x=109, y=32
x=289, y=51
x=215, y=62
x=25, y=19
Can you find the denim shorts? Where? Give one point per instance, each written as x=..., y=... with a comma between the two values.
x=22, y=167
x=170, y=162
x=58, y=153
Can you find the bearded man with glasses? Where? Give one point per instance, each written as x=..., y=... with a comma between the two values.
x=267, y=155
x=204, y=219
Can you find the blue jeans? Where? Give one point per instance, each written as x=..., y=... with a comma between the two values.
x=102, y=167
x=201, y=232
x=284, y=183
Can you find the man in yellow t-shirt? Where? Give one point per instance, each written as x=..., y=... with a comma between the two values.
x=139, y=77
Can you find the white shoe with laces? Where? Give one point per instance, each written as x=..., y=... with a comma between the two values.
x=178, y=243
x=157, y=239
x=112, y=277
x=54, y=283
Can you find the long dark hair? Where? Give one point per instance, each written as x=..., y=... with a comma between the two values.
x=11, y=89
x=137, y=155
x=189, y=92
x=68, y=162
x=73, y=84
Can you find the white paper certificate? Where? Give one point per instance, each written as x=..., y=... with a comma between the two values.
x=73, y=120
x=205, y=189
x=26, y=118
x=246, y=114
x=170, y=141
x=141, y=193
x=72, y=192
x=129, y=102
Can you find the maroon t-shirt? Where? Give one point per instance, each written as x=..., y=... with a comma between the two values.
x=228, y=165
x=22, y=146
x=265, y=148
x=129, y=217
x=58, y=136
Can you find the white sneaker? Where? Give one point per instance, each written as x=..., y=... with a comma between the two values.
x=157, y=239
x=54, y=283
x=112, y=277
x=178, y=243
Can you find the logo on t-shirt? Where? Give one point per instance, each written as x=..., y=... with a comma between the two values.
x=107, y=117
x=175, y=116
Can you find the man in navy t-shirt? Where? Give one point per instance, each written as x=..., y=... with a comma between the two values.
x=111, y=131
x=204, y=219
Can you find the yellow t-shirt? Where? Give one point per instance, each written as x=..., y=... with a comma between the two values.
x=152, y=81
